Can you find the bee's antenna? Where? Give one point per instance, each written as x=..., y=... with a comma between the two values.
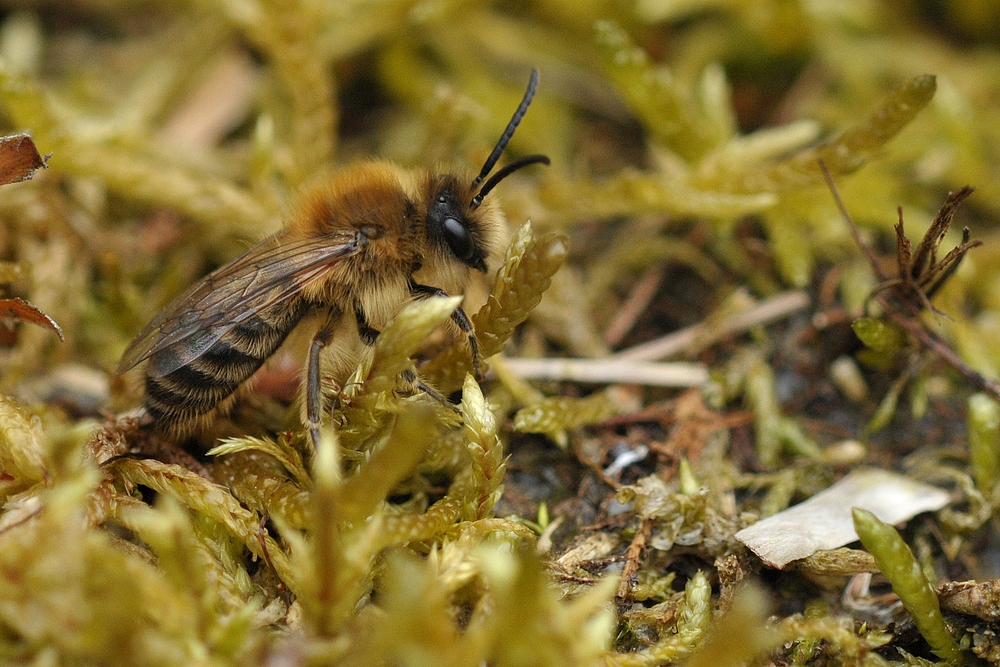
x=509, y=132
x=506, y=171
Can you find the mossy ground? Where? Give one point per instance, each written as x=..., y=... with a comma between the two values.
x=555, y=517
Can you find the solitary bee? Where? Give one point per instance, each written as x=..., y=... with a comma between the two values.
x=357, y=245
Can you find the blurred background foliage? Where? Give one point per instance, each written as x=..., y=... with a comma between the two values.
x=684, y=137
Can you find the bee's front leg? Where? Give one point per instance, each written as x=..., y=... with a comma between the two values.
x=366, y=331
x=462, y=320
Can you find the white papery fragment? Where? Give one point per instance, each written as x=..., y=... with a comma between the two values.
x=824, y=521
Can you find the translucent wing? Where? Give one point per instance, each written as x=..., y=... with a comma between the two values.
x=272, y=272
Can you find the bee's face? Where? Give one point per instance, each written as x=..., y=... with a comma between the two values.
x=455, y=227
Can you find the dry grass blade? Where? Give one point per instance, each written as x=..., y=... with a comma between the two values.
x=610, y=371
x=698, y=337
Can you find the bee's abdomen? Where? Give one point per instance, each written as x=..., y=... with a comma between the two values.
x=175, y=399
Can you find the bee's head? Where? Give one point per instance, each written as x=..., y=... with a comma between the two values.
x=456, y=217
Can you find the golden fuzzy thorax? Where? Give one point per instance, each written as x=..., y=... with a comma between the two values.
x=388, y=206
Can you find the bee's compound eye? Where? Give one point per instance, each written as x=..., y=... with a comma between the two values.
x=458, y=238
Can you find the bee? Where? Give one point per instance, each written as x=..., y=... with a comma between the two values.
x=357, y=246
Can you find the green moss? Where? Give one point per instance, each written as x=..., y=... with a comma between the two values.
x=909, y=582
x=685, y=140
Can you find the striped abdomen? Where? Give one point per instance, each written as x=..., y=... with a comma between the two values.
x=194, y=390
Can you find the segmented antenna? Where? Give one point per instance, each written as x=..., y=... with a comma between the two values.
x=509, y=132
x=504, y=173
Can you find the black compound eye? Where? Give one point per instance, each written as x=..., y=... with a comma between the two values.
x=458, y=239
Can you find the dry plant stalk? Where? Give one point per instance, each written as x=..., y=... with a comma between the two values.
x=920, y=275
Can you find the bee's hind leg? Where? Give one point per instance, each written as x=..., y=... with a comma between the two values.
x=314, y=385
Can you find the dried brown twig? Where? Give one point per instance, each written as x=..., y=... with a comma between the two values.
x=921, y=275
x=633, y=561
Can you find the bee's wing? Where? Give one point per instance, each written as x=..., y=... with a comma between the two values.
x=271, y=272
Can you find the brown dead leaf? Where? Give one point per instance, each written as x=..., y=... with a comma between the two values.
x=19, y=159
x=21, y=310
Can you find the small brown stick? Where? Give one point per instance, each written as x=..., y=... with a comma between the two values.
x=633, y=555
x=976, y=379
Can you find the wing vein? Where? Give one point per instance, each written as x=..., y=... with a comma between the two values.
x=267, y=275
